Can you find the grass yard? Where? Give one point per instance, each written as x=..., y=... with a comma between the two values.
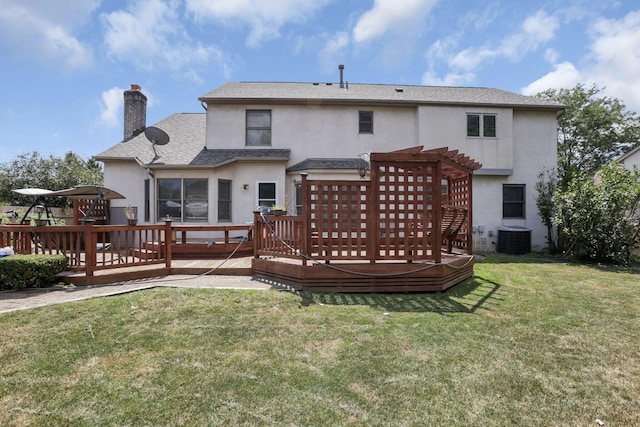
x=525, y=342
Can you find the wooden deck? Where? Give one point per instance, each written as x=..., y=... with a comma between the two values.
x=383, y=276
x=396, y=232
x=318, y=277
x=232, y=267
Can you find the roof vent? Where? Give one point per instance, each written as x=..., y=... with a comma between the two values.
x=316, y=84
x=341, y=68
x=399, y=89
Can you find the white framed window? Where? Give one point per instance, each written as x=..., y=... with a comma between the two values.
x=258, y=127
x=481, y=125
x=267, y=194
x=183, y=199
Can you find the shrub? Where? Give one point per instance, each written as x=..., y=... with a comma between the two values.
x=600, y=219
x=30, y=271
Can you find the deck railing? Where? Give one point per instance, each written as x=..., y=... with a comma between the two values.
x=91, y=247
x=342, y=220
x=278, y=235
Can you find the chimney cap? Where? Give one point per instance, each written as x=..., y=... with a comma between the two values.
x=135, y=87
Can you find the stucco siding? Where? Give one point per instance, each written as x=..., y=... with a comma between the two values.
x=316, y=131
x=127, y=178
x=447, y=126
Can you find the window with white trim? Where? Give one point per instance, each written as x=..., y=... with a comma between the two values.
x=267, y=194
x=481, y=125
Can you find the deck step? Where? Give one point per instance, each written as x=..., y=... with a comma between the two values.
x=153, y=246
x=146, y=254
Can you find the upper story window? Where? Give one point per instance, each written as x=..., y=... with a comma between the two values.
x=513, y=201
x=258, y=127
x=481, y=125
x=366, y=122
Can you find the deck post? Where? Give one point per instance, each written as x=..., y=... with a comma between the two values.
x=167, y=241
x=257, y=224
x=372, y=196
x=304, y=232
x=90, y=244
x=437, y=214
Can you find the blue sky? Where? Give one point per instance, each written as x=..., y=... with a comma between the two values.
x=65, y=63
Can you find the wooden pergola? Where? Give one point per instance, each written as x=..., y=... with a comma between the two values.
x=378, y=230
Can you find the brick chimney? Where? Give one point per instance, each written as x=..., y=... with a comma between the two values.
x=135, y=112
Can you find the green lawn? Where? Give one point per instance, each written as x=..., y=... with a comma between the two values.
x=525, y=342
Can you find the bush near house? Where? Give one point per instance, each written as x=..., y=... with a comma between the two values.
x=30, y=271
x=594, y=219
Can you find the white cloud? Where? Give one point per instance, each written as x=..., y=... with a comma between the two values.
x=471, y=58
x=430, y=79
x=112, y=105
x=535, y=31
x=564, y=75
x=151, y=36
x=388, y=15
x=265, y=18
x=331, y=53
x=616, y=59
x=45, y=30
x=613, y=62
x=551, y=55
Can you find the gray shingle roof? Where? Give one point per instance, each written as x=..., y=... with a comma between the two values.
x=219, y=157
x=356, y=93
x=187, y=133
x=331, y=164
x=186, y=140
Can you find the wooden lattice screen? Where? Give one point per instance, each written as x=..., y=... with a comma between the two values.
x=408, y=199
x=338, y=216
x=459, y=192
x=394, y=216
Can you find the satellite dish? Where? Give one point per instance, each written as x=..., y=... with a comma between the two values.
x=156, y=135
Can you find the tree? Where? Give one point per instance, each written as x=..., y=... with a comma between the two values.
x=587, y=218
x=592, y=130
x=600, y=219
x=32, y=170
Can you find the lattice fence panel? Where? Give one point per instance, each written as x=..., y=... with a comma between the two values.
x=338, y=219
x=406, y=195
x=459, y=191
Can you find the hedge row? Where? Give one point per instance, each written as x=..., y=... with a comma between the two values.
x=30, y=271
